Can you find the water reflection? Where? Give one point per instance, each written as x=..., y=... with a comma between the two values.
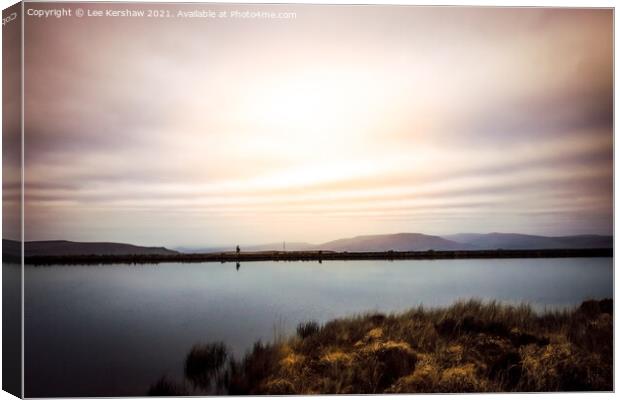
x=114, y=330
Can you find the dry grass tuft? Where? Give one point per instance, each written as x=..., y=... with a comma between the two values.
x=469, y=347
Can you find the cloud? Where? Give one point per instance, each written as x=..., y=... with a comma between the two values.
x=385, y=119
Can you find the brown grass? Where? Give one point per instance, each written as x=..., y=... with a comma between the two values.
x=469, y=347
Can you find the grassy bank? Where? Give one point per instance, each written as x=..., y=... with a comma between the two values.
x=468, y=347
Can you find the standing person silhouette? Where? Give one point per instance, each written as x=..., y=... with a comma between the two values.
x=238, y=249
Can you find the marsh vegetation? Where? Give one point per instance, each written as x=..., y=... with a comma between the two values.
x=471, y=346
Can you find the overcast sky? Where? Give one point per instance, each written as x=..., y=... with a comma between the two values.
x=346, y=120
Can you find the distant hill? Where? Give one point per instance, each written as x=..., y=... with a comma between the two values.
x=587, y=241
x=511, y=241
x=422, y=242
x=369, y=243
x=11, y=248
x=67, y=248
x=292, y=246
x=396, y=242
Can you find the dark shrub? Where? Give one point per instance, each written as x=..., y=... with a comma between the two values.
x=446, y=326
x=606, y=306
x=247, y=376
x=523, y=339
x=166, y=387
x=506, y=368
x=204, y=362
x=377, y=319
x=396, y=362
x=590, y=308
x=307, y=329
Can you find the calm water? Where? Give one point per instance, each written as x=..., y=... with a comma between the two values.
x=114, y=330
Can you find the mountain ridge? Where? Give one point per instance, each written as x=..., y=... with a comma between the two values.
x=404, y=241
x=510, y=241
x=407, y=241
x=71, y=248
x=396, y=242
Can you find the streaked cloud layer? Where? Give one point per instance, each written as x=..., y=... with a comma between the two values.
x=346, y=120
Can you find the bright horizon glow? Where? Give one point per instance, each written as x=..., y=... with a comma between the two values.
x=346, y=121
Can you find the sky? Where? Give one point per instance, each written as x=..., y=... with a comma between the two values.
x=341, y=121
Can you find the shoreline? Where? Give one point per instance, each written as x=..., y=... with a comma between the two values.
x=310, y=256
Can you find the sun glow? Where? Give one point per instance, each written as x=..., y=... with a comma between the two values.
x=420, y=120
